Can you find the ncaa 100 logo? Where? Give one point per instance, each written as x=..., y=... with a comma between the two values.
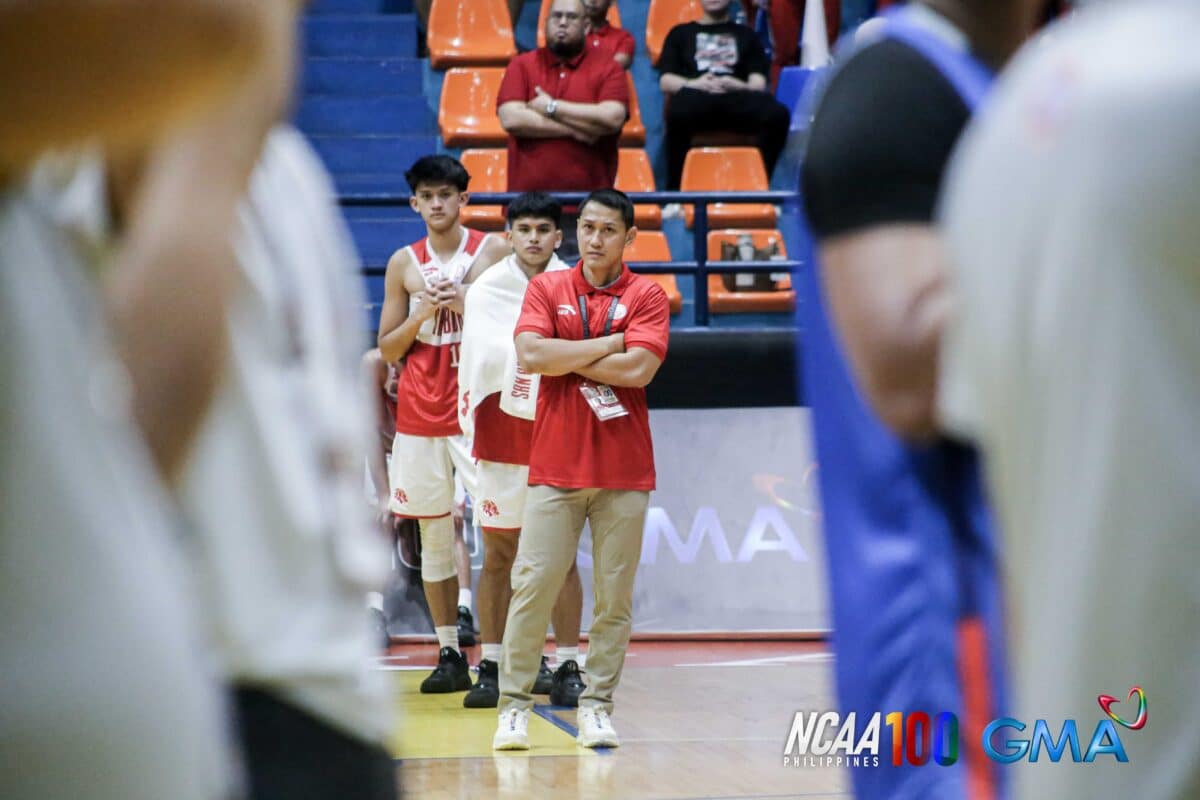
x=825, y=739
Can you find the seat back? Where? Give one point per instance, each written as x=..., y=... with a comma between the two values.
x=664, y=15
x=634, y=174
x=724, y=298
x=467, y=108
x=731, y=169
x=489, y=173
x=652, y=246
x=477, y=33
x=633, y=134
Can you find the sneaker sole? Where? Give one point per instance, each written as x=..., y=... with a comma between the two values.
x=510, y=745
x=469, y=702
x=598, y=742
x=460, y=687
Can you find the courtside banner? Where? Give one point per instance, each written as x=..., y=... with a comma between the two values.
x=732, y=539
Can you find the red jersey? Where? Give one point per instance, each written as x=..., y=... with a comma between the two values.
x=427, y=395
x=562, y=163
x=501, y=438
x=612, y=40
x=571, y=448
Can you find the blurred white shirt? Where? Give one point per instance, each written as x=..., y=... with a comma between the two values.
x=286, y=550
x=1072, y=215
x=103, y=687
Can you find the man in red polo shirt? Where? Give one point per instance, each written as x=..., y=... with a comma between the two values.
x=597, y=334
x=604, y=37
x=563, y=107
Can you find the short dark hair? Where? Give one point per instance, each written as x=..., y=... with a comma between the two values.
x=614, y=199
x=535, y=204
x=437, y=170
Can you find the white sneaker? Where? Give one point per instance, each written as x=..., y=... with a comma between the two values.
x=513, y=731
x=595, y=728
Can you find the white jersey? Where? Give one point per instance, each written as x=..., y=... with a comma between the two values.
x=285, y=550
x=1073, y=223
x=102, y=691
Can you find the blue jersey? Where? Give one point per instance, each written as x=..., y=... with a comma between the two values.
x=912, y=562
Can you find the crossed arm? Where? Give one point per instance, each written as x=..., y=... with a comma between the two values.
x=604, y=359
x=584, y=121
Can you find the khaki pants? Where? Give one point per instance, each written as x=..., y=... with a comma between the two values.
x=549, y=539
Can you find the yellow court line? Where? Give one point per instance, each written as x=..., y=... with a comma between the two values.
x=437, y=726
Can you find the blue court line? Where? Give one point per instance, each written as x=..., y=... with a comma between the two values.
x=546, y=713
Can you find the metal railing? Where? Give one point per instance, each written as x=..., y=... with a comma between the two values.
x=699, y=268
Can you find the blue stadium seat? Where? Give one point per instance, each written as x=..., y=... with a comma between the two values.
x=378, y=239
x=362, y=76
x=360, y=7
x=378, y=115
x=365, y=36
x=366, y=155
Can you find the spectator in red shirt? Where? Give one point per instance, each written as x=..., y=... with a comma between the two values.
x=563, y=107
x=607, y=38
x=597, y=334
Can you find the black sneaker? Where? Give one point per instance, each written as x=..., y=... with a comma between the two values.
x=545, y=679
x=450, y=675
x=567, y=685
x=466, y=627
x=486, y=691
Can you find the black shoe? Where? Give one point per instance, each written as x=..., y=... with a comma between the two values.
x=567, y=685
x=450, y=675
x=486, y=691
x=466, y=627
x=545, y=679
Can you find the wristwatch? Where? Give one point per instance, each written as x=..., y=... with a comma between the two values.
x=551, y=107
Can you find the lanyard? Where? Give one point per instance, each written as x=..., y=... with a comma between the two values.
x=583, y=315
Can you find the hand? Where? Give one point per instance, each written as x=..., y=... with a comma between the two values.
x=729, y=83
x=540, y=100
x=426, y=306
x=444, y=291
x=707, y=82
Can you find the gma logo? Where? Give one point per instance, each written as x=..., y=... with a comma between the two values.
x=1006, y=747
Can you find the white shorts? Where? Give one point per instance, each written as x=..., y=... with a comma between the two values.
x=501, y=502
x=422, y=471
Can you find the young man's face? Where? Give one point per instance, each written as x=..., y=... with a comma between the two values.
x=534, y=240
x=602, y=236
x=438, y=205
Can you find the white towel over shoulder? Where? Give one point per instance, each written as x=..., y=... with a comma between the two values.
x=488, y=359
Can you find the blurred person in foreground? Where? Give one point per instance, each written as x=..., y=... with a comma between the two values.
x=914, y=585
x=1073, y=357
x=102, y=692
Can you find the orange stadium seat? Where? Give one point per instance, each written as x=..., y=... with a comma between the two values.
x=723, y=301
x=634, y=132
x=467, y=109
x=614, y=19
x=664, y=15
x=728, y=169
x=478, y=33
x=489, y=173
x=652, y=246
x=635, y=175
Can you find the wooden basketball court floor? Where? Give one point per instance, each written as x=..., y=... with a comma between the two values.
x=697, y=720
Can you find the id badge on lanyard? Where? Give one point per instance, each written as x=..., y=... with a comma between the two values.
x=600, y=397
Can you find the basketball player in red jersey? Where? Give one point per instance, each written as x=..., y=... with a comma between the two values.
x=421, y=322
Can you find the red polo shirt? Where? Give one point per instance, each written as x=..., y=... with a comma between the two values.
x=612, y=40
x=562, y=164
x=572, y=449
